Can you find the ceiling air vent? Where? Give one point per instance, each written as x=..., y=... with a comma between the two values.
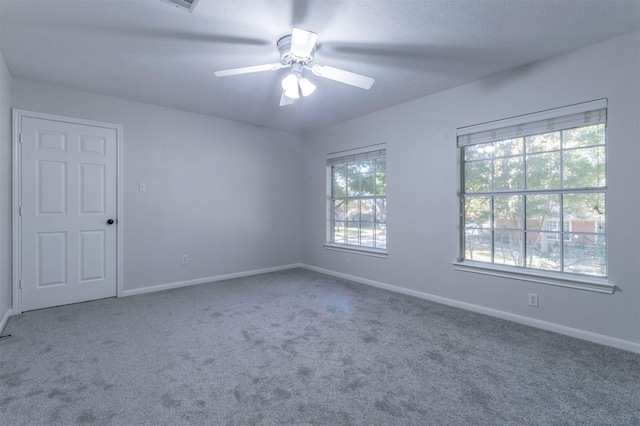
x=187, y=5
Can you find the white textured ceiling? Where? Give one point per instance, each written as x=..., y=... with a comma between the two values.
x=149, y=51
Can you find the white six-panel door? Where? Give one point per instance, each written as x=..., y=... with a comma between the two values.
x=68, y=199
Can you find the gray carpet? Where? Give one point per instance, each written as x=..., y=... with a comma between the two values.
x=301, y=348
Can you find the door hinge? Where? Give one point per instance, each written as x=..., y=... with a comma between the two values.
x=20, y=211
x=19, y=137
x=20, y=282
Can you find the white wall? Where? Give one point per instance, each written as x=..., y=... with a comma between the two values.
x=5, y=193
x=422, y=203
x=224, y=193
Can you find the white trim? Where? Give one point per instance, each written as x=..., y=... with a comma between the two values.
x=581, y=282
x=178, y=284
x=17, y=115
x=5, y=320
x=119, y=210
x=16, y=223
x=532, y=322
x=366, y=251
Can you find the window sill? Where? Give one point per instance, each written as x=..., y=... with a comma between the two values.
x=582, y=282
x=366, y=251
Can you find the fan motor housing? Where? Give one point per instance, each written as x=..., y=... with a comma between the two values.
x=288, y=58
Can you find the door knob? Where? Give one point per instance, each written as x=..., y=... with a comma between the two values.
x=110, y=222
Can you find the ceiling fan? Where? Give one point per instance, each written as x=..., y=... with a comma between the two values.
x=296, y=52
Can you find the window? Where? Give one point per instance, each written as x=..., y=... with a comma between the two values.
x=357, y=200
x=522, y=178
x=554, y=226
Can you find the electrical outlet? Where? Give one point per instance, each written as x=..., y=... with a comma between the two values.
x=143, y=187
x=348, y=263
x=185, y=259
x=533, y=300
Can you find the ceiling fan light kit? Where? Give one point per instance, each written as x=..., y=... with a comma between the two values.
x=294, y=84
x=296, y=52
x=306, y=87
x=290, y=86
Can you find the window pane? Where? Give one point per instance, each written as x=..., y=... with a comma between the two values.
x=353, y=210
x=477, y=176
x=381, y=210
x=543, y=143
x=542, y=252
x=381, y=183
x=583, y=136
x=585, y=255
x=507, y=212
x=366, y=234
x=477, y=245
x=367, y=210
x=381, y=235
x=584, y=168
x=478, y=152
x=508, y=247
x=381, y=176
x=507, y=147
x=367, y=166
x=353, y=233
x=541, y=209
x=367, y=177
x=339, y=181
x=587, y=207
x=339, y=234
x=368, y=184
x=353, y=179
x=543, y=171
x=339, y=210
x=477, y=212
x=508, y=174
x=585, y=245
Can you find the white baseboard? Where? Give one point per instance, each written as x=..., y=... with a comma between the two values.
x=545, y=325
x=5, y=319
x=179, y=284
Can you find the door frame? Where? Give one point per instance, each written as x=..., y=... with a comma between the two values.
x=16, y=219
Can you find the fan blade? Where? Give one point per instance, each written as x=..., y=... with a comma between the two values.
x=285, y=100
x=303, y=42
x=247, y=70
x=346, y=77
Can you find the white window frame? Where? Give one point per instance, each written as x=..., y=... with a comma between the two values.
x=573, y=116
x=343, y=157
